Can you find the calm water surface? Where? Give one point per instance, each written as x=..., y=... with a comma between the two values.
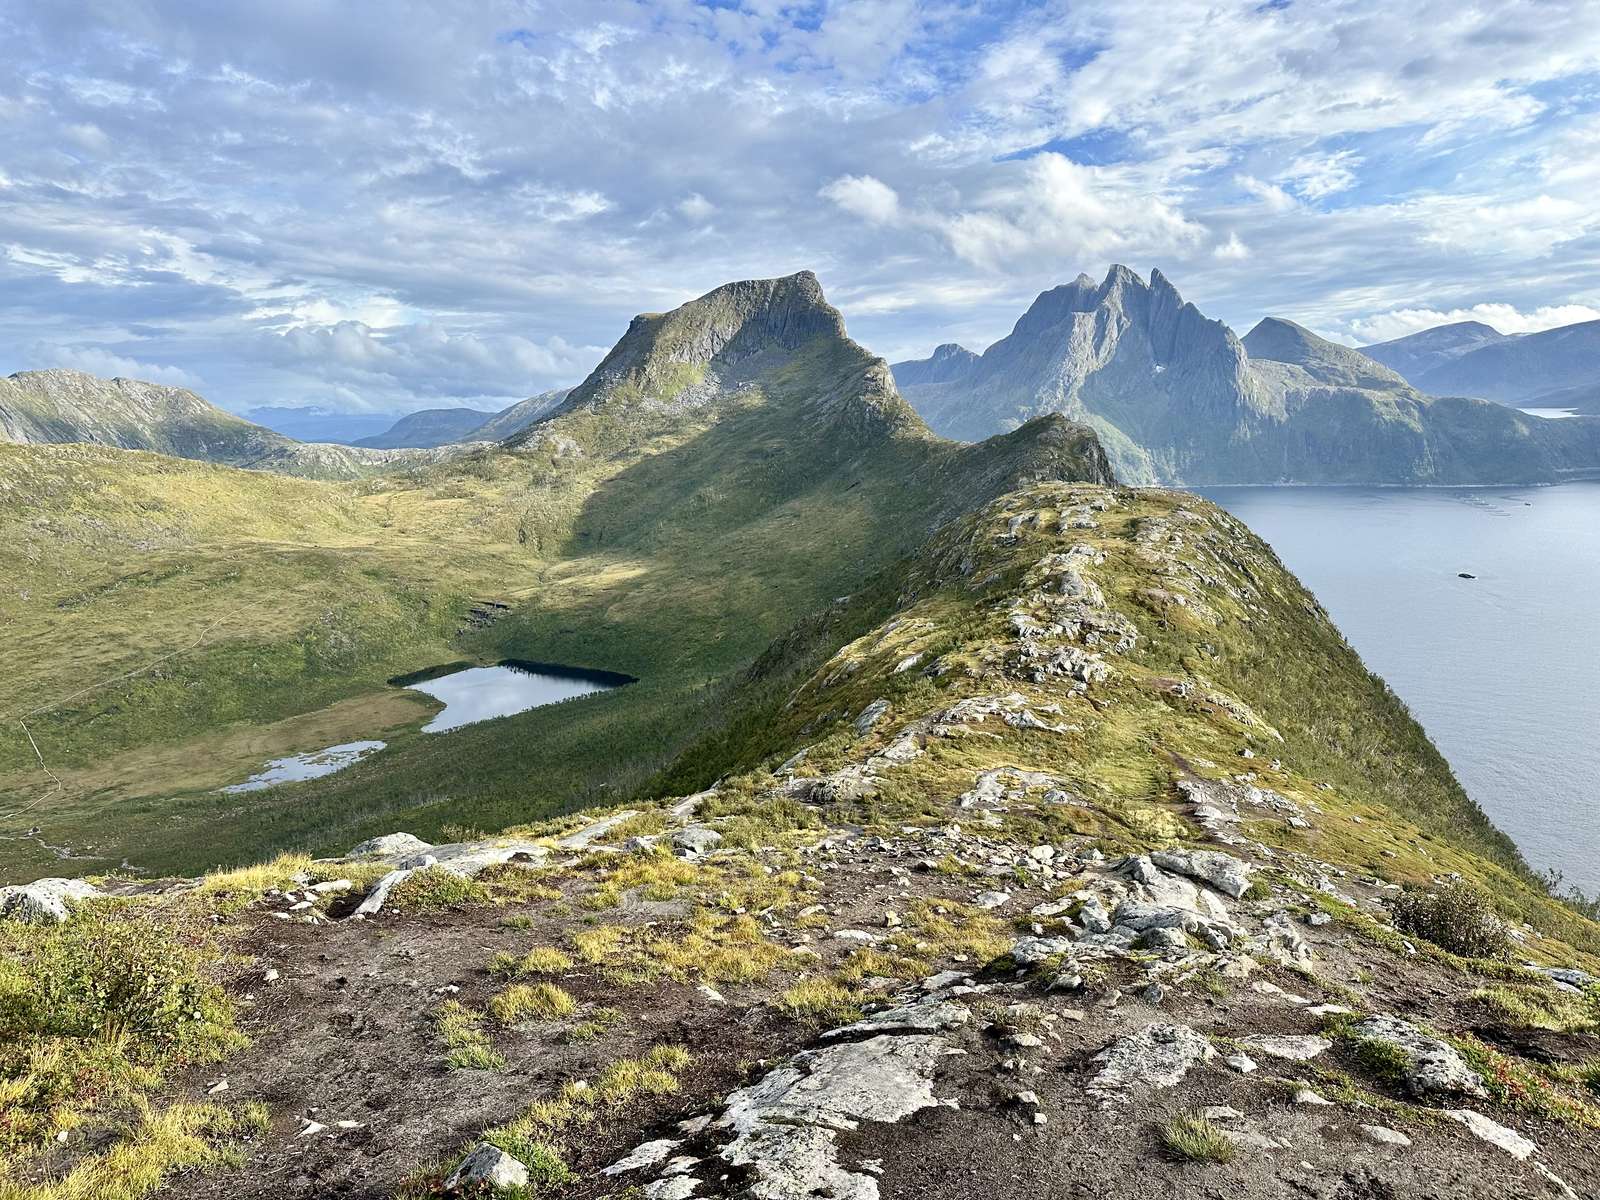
x=479, y=693
x=307, y=766
x=1503, y=670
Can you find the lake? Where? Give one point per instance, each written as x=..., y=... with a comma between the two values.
x=474, y=694
x=1501, y=669
x=469, y=694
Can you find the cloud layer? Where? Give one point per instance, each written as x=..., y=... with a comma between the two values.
x=297, y=204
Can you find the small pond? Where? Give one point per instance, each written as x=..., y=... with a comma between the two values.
x=469, y=693
x=472, y=693
x=312, y=765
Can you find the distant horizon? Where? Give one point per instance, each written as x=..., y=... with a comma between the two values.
x=459, y=207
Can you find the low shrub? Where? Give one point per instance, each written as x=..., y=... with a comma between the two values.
x=1456, y=917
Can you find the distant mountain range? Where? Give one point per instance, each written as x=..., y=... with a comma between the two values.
x=1177, y=398
x=1172, y=396
x=1555, y=368
x=442, y=426
x=310, y=423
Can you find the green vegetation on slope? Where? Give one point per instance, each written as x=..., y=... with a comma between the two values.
x=668, y=524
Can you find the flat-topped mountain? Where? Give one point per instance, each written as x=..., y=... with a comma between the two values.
x=1177, y=398
x=1554, y=368
x=1514, y=370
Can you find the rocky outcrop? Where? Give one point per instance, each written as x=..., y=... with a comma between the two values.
x=1432, y=1067
x=45, y=901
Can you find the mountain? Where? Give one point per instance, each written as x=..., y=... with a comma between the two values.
x=1177, y=398
x=71, y=406
x=732, y=466
x=519, y=416
x=1414, y=355
x=1081, y=857
x=1327, y=362
x=1517, y=369
x=431, y=427
x=948, y=362
x=58, y=406
x=314, y=424
x=428, y=427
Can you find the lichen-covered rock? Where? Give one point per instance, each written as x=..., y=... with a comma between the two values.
x=785, y=1125
x=487, y=1167
x=1290, y=1047
x=393, y=846
x=1434, y=1068
x=1157, y=1056
x=44, y=901
x=1222, y=871
x=1496, y=1134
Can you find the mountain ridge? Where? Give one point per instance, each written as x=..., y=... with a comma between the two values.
x=1178, y=398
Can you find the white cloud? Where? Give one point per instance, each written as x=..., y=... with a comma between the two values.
x=696, y=207
x=1270, y=194
x=1049, y=205
x=1315, y=176
x=865, y=197
x=98, y=361
x=1232, y=250
x=468, y=201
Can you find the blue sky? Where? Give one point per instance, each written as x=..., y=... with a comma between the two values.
x=404, y=205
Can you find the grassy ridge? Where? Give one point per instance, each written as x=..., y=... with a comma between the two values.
x=670, y=541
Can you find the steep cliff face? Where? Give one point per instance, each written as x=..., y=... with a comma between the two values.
x=769, y=335
x=1177, y=398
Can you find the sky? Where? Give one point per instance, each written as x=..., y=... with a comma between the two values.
x=385, y=207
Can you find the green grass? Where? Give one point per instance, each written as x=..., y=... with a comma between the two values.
x=461, y=1031
x=531, y=1002
x=97, y=1011
x=435, y=888
x=1193, y=1138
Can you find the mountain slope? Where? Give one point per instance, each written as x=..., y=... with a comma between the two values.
x=1414, y=355
x=1516, y=369
x=427, y=427
x=1177, y=398
x=1071, y=866
x=65, y=407
x=732, y=465
x=71, y=406
x=519, y=416
x=432, y=427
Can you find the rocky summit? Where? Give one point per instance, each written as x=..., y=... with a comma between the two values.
x=1092, y=862
x=1177, y=398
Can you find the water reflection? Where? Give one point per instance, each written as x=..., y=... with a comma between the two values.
x=481, y=693
x=312, y=765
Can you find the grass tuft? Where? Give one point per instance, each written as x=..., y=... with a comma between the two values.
x=1190, y=1136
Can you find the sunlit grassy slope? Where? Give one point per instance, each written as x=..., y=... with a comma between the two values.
x=169, y=625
